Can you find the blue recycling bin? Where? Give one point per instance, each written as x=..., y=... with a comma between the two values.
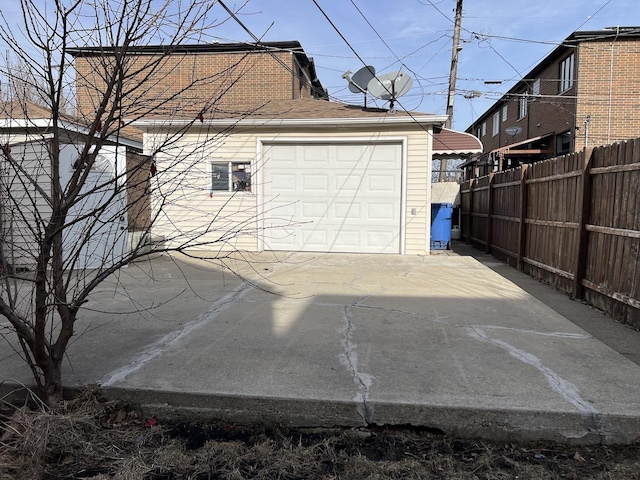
x=441, y=215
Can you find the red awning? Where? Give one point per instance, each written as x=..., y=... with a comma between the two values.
x=450, y=143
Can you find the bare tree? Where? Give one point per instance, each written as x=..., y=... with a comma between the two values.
x=67, y=183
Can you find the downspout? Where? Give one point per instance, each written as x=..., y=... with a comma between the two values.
x=611, y=85
x=2, y=230
x=586, y=130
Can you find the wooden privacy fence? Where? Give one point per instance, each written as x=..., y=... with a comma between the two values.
x=571, y=221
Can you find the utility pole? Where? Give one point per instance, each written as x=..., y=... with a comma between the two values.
x=452, y=78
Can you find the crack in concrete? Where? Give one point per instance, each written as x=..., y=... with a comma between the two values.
x=567, y=390
x=594, y=421
x=349, y=358
x=156, y=348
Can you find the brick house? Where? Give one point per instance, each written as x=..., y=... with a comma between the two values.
x=584, y=93
x=190, y=78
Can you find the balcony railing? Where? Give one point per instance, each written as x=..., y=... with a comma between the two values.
x=447, y=176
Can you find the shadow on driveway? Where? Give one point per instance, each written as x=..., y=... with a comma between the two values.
x=622, y=338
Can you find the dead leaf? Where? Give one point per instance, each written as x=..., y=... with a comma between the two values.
x=151, y=422
x=119, y=416
x=579, y=457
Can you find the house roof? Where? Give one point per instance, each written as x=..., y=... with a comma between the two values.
x=23, y=109
x=298, y=112
x=292, y=46
x=15, y=115
x=321, y=113
x=570, y=43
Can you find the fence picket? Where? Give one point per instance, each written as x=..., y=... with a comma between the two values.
x=572, y=221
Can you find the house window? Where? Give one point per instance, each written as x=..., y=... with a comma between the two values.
x=567, y=73
x=496, y=124
x=523, y=105
x=563, y=143
x=484, y=128
x=535, y=87
x=504, y=113
x=231, y=176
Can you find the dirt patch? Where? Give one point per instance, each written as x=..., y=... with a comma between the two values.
x=90, y=438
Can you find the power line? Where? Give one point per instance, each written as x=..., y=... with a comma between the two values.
x=259, y=43
x=410, y=114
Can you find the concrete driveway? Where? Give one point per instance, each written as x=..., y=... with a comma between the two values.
x=322, y=340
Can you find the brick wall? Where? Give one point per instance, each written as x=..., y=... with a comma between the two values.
x=183, y=84
x=608, y=91
x=554, y=111
x=550, y=113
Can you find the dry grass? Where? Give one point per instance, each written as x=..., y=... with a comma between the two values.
x=91, y=438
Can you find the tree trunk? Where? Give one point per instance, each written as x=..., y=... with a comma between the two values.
x=52, y=394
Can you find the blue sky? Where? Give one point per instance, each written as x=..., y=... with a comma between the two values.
x=502, y=40
x=417, y=38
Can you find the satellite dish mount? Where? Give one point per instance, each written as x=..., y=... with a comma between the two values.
x=359, y=81
x=390, y=86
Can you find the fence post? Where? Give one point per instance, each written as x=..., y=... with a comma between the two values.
x=522, y=227
x=470, y=212
x=584, y=204
x=487, y=248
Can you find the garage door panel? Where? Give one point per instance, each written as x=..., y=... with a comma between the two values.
x=282, y=182
x=381, y=154
x=315, y=240
x=286, y=155
x=318, y=183
x=382, y=184
x=349, y=154
x=314, y=210
x=281, y=240
x=346, y=239
x=281, y=209
x=380, y=239
x=347, y=183
x=347, y=210
x=315, y=155
x=381, y=211
x=346, y=196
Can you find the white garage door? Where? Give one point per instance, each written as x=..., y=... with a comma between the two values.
x=334, y=197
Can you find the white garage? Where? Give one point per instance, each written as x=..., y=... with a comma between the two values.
x=333, y=197
x=298, y=175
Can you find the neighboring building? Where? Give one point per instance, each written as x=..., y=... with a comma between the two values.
x=185, y=79
x=585, y=93
x=26, y=184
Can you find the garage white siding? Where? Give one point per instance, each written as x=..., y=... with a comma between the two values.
x=332, y=197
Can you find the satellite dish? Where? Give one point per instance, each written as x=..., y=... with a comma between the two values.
x=390, y=86
x=513, y=131
x=359, y=81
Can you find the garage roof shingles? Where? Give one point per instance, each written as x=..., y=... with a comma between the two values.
x=302, y=108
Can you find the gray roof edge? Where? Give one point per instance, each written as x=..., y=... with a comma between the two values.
x=292, y=45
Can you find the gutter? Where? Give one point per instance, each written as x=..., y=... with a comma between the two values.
x=297, y=122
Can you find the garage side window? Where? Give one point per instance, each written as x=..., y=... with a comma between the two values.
x=231, y=176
